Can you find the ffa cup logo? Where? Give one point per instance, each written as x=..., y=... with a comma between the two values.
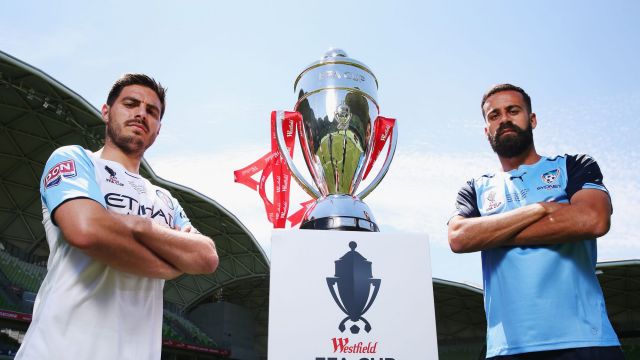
x=356, y=288
x=492, y=202
x=551, y=176
x=54, y=176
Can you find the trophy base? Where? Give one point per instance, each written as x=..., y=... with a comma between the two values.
x=340, y=212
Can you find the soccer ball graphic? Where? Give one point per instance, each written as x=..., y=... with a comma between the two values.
x=550, y=177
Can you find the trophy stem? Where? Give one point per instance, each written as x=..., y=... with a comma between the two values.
x=340, y=212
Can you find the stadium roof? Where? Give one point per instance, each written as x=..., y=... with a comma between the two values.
x=40, y=114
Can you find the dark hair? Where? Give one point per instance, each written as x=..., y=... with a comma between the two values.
x=505, y=87
x=137, y=79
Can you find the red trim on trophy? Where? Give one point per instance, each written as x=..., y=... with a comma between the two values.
x=382, y=131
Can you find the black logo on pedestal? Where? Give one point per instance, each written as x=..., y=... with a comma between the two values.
x=354, y=280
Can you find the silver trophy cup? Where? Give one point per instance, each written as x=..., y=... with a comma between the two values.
x=337, y=98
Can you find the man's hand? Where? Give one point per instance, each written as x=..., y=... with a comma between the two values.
x=587, y=217
x=186, y=249
x=188, y=229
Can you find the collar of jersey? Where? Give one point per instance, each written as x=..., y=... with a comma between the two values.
x=522, y=167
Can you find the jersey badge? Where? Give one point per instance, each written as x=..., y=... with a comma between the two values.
x=165, y=199
x=62, y=169
x=112, y=176
x=551, y=176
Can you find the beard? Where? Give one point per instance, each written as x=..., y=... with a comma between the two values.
x=128, y=144
x=511, y=145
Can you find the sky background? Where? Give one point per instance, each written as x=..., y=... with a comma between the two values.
x=227, y=65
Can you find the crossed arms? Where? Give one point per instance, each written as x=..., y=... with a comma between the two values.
x=587, y=216
x=134, y=244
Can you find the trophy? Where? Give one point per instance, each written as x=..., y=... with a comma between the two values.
x=340, y=134
x=354, y=280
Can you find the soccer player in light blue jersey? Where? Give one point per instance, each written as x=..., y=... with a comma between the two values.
x=536, y=223
x=114, y=238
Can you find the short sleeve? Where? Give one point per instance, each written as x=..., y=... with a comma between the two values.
x=467, y=201
x=583, y=172
x=69, y=174
x=181, y=217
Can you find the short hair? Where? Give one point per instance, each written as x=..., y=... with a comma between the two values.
x=505, y=87
x=137, y=79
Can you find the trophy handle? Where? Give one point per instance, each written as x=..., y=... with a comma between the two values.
x=385, y=167
x=308, y=188
x=376, y=287
x=331, y=282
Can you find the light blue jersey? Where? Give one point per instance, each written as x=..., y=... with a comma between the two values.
x=539, y=298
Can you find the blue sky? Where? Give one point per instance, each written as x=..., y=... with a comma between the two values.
x=228, y=64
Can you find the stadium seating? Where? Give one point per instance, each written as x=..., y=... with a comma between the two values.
x=21, y=273
x=190, y=332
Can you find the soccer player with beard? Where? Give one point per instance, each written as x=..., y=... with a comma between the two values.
x=114, y=238
x=536, y=222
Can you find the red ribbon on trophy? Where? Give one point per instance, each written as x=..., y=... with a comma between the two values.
x=272, y=163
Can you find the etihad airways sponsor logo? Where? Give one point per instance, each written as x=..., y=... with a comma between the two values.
x=133, y=206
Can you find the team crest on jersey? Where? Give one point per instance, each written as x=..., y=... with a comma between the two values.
x=492, y=201
x=62, y=169
x=165, y=199
x=551, y=176
x=112, y=176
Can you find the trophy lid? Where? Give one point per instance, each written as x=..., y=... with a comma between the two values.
x=353, y=264
x=335, y=56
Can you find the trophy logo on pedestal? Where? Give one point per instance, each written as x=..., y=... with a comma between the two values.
x=354, y=281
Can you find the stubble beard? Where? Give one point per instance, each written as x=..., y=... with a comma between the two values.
x=130, y=145
x=511, y=145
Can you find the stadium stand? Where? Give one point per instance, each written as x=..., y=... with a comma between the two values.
x=22, y=274
x=186, y=330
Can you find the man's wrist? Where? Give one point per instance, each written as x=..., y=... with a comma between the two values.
x=138, y=225
x=551, y=206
